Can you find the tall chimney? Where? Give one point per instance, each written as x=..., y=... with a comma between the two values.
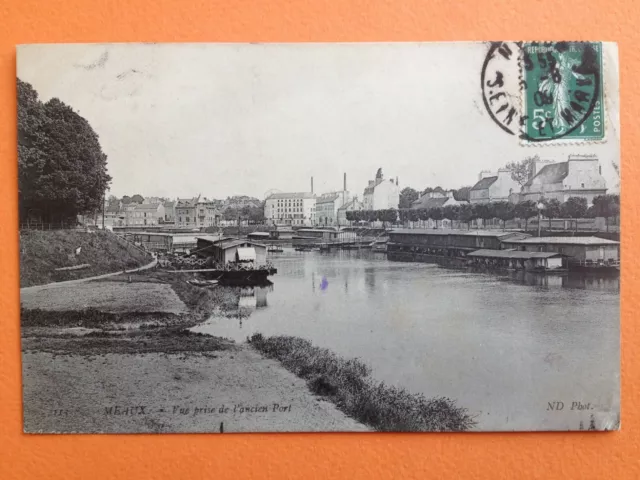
x=396, y=181
x=344, y=186
x=311, y=184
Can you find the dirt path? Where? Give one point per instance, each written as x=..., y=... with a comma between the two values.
x=106, y=296
x=157, y=392
x=37, y=288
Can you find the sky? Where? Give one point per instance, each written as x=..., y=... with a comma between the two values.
x=178, y=120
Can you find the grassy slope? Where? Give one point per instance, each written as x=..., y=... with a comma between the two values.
x=41, y=252
x=347, y=383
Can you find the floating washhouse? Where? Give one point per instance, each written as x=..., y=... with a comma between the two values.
x=306, y=236
x=264, y=236
x=583, y=253
x=506, y=249
x=166, y=242
x=409, y=243
x=232, y=250
x=519, y=260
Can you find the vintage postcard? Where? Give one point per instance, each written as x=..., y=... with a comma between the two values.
x=319, y=237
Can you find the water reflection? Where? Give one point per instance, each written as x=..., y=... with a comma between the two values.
x=501, y=344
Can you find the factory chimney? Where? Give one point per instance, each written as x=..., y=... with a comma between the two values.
x=311, y=184
x=344, y=186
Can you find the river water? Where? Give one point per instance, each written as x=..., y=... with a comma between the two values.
x=503, y=346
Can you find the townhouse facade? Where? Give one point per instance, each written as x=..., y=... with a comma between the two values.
x=493, y=187
x=294, y=209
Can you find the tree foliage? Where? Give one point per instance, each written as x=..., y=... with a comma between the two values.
x=462, y=194
x=552, y=209
x=407, y=196
x=606, y=206
x=521, y=171
x=574, y=207
x=137, y=198
x=62, y=170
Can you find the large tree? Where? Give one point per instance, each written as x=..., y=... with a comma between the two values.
x=525, y=210
x=407, y=196
x=606, y=206
x=62, y=170
x=504, y=211
x=466, y=214
x=575, y=208
x=521, y=171
x=462, y=194
x=552, y=209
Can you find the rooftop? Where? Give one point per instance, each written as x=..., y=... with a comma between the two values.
x=327, y=198
x=520, y=255
x=296, y=195
x=485, y=183
x=472, y=233
x=229, y=242
x=429, y=202
x=148, y=206
x=566, y=241
x=549, y=174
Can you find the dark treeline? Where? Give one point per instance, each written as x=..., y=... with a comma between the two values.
x=62, y=170
x=606, y=206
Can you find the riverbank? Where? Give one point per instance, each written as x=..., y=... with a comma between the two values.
x=348, y=385
x=43, y=255
x=116, y=356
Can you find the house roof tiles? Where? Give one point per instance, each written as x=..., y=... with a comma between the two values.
x=485, y=183
x=550, y=174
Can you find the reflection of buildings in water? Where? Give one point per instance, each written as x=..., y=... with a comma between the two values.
x=254, y=297
x=593, y=282
x=261, y=297
x=370, y=277
x=567, y=280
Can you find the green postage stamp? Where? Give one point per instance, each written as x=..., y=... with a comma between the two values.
x=563, y=91
x=546, y=91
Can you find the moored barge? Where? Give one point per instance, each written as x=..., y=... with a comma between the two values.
x=587, y=254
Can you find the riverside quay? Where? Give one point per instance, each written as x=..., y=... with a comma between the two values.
x=475, y=246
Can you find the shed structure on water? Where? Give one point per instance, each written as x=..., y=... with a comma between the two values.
x=519, y=260
x=231, y=250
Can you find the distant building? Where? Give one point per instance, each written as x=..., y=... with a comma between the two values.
x=381, y=194
x=493, y=188
x=169, y=212
x=146, y=214
x=327, y=207
x=435, y=199
x=351, y=206
x=114, y=216
x=150, y=200
x=196, y=212
x=291, y=209
x=579, y=176
x=185, y=212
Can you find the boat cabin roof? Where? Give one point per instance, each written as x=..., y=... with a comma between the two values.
x=513, y=254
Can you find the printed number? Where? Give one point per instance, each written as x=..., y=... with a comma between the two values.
x=539, y=119
x=497, y=82
x=555, y=75
x=61, y=413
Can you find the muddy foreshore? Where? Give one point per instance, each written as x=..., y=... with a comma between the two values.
x=137, y=367
x=114, y=362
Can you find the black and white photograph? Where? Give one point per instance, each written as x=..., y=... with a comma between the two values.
x=322, y=237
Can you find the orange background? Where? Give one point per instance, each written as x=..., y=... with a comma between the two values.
x=370, y=456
